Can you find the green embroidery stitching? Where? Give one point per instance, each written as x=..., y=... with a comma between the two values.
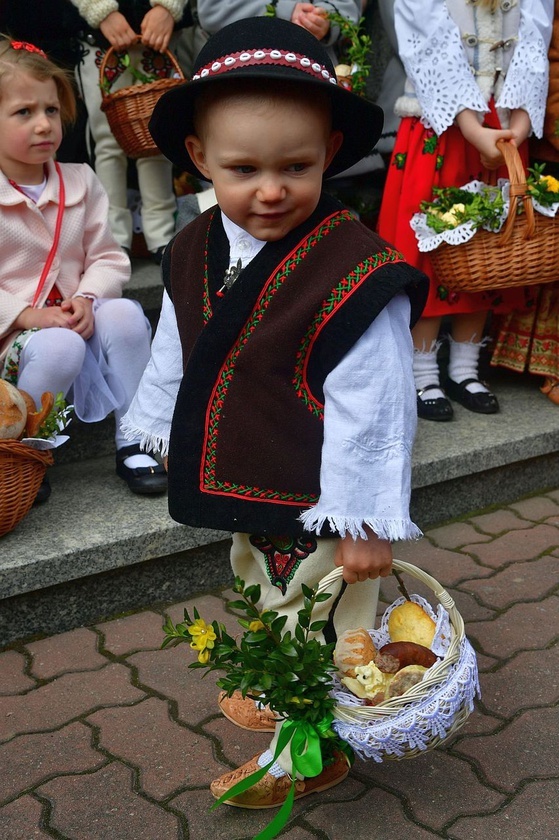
x=346, y=285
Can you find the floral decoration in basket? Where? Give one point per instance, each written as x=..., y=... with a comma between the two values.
x=457, y=213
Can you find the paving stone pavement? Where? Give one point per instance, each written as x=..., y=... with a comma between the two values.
x=104, y=736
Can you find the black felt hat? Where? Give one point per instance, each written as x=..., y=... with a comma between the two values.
x=265, y=48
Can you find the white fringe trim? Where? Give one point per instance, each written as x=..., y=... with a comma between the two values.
x=148, y=442
x=386, y=529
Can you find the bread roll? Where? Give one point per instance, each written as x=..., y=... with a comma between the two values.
x=13, y=412
x=404, y=680
x=353, y=648
x=410, y=623
x=35, y=419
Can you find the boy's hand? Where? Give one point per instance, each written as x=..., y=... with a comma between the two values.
x=117, y=31
x=313, y=18
x=80, y=315
x=363, y=559
x=157, y=28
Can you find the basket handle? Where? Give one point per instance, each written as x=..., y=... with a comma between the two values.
x=518, y=191
x=111, y=50
x=401, y=566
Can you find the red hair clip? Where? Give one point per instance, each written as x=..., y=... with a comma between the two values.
x=23, y=45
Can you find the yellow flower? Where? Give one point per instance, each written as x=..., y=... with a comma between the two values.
x=450, y=215
x=551, y=183
x=203, y=638
x=256, y=625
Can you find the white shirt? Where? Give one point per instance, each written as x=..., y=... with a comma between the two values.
x=370, y=416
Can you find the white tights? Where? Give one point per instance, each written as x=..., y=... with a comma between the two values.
x=53, y=357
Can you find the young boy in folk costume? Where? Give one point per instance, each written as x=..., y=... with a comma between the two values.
x=280, y=384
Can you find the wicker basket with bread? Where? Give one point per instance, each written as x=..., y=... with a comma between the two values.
x=22, y=467
x=409, y=685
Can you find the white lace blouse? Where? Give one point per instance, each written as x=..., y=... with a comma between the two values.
x=370, y=416
x=458, y=54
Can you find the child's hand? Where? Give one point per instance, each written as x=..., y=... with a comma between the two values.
x=484, y=139
x=117, y=31
x=520, y=125
x=157, y=28
x=47, y=316
x=80, y=315
x=313, y=18
x=363, y=559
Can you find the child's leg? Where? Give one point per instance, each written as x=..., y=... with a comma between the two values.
x=111, y=163
x=122, y=335
x=50, y=361
x=155, y=182
x=263, y=561
x=463, y=384
x=432, y=403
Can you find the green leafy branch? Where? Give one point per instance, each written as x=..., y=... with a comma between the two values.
x=290, y=672
x=57, y=419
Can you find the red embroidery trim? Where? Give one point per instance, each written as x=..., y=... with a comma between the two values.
x=259, y=57
x=24, y=45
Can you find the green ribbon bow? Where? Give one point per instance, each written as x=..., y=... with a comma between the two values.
x=306, y=758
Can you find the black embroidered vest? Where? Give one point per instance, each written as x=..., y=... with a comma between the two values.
x=247, y=430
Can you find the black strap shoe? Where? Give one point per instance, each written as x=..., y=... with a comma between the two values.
x=43, y=492
x=142, y=480
x=483, y=402
x=437, y=408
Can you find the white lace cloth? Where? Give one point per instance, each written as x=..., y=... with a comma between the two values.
x=428, y=239
x=446, y=75
x=423, y=723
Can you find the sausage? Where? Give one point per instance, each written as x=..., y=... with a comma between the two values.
x=409, y=653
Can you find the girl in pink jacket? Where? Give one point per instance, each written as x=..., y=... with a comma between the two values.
x=64, y=326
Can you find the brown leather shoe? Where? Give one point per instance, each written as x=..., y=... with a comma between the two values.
x=245, y=712
x=270, y=792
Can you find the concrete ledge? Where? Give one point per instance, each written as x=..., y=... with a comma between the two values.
x=90, y=525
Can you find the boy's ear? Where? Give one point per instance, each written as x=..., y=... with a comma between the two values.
x=196, y=151
x=333, y=147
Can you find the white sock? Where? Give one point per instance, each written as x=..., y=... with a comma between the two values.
x=463, y=364
x=143, y=460
x=426, y=372
x=275, y=770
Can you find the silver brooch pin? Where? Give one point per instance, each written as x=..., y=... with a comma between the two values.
x=230, y=276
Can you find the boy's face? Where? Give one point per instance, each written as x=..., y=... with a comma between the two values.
x=266, y=159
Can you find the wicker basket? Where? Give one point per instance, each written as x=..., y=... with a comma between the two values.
x=22, y=470
x=524, y=252
x=129, y=109
x=428, y=713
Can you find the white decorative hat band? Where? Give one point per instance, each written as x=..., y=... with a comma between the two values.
x=252, y=58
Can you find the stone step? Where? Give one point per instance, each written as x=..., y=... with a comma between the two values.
x=95, y=549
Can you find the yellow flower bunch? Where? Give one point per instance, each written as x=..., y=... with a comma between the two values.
x=203, y=639
x=551, y=183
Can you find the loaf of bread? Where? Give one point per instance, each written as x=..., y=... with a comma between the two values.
x=13, y=412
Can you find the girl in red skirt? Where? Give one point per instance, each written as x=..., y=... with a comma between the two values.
x=477, y=71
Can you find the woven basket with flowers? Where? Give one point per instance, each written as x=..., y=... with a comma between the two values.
x=482, y=237
x=128, y=109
